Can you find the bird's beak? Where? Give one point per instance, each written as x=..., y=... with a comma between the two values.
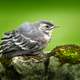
x=56, y=26
x=53, y=27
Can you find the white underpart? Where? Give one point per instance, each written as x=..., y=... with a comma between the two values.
x=47, y=37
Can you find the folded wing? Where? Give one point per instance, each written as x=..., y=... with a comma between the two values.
x=15, y=41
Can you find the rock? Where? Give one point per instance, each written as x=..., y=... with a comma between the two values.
x=25, y=67
x=30, y=67
x=62, y=63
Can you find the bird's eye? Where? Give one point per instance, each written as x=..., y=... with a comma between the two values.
x=47, y=26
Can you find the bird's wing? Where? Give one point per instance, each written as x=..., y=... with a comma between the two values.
x=14, y=41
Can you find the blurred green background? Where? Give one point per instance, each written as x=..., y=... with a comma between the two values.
x=64, y=13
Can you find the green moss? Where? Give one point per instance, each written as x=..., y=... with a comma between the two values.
x=67, y=53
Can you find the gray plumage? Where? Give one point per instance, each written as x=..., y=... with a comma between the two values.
x=28, y=37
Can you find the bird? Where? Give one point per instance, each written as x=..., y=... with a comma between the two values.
x=26, y=39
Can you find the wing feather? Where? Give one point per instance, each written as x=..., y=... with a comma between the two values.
x=14, y=41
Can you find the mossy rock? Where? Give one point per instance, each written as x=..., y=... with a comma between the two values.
x=25, y=67
x=30, y=67
x=67, y=53
x=42, y=66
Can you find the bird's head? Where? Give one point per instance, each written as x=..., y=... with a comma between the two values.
x=46, y=27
